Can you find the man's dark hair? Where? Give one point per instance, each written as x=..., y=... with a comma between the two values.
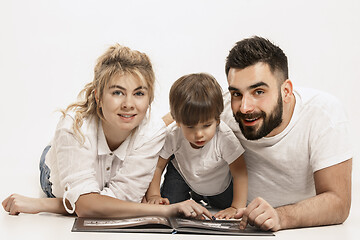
x=256, y=49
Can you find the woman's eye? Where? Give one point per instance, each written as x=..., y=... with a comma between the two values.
x=118, y=93
x=139, y=94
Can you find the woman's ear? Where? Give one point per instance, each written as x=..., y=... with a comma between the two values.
x=98, y=102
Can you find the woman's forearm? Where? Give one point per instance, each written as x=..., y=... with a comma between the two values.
x=96, y=205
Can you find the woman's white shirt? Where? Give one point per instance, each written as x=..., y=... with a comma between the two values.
x=79, y=168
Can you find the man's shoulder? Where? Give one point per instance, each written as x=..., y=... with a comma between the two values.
x=319, y=103
x=314, y=96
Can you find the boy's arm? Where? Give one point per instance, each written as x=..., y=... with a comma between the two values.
x=240, y=186
x=153, y=193
x=240, y=181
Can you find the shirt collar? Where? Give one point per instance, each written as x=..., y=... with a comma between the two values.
x=103, y=148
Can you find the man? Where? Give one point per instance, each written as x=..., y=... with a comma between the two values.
x=297, y=148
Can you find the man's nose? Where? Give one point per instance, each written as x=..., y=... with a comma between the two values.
x=247, y=105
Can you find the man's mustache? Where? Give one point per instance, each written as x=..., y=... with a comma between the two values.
x=240, y=115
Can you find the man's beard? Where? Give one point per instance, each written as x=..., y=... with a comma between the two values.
x=269, y=122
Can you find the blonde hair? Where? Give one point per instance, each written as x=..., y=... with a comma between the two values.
x=117, y=60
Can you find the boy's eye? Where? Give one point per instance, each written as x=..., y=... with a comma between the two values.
x=190, y=127
x=207, y=125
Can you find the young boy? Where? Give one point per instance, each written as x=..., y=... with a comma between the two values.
x=202, y=154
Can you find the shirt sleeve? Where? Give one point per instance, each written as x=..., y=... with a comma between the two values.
x=229, y=145
x=170, y=141
x=75, y=162
x=330, y=142
x=133, y=178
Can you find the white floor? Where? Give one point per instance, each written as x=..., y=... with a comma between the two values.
x=51, y=226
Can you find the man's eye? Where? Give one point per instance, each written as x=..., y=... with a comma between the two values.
x=259, y=92
x=236, y=94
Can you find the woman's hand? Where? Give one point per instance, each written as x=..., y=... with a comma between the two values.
x=190, y=209
x=15, y=204
x=156, y=199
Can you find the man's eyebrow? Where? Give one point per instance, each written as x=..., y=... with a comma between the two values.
x=230, y=88
x=256, y=85
x=122, y=88
x=259, y=84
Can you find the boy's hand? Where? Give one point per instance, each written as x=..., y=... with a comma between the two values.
x=226, y=213
x=156, y=199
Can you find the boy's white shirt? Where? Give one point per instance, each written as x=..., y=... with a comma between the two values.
x=206, y=170
x=125, y=173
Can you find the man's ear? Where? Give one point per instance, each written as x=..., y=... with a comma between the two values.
x=287, y=90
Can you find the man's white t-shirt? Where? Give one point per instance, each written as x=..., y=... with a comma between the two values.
x=281, y=168
x=205, y=170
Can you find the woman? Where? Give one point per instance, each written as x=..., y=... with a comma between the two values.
x=105, y=149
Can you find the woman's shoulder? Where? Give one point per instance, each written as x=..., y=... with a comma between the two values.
x=66, y=126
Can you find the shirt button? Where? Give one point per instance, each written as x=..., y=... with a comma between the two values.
x=111, y=154
x=108, y=168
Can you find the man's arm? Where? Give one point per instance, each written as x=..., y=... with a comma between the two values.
x=331, y=205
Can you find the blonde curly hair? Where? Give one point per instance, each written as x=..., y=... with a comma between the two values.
x=117, y=60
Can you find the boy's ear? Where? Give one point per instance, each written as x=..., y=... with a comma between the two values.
x=217, y=122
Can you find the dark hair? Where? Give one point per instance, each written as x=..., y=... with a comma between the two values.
x=256, y=49
x=196, y=98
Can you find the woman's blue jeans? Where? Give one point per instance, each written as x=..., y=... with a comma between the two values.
x=46, y=185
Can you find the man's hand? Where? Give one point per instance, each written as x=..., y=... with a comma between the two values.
x=261, y=214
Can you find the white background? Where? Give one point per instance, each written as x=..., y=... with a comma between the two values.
x=48, y=50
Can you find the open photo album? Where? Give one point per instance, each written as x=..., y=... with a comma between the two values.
x=157, y=224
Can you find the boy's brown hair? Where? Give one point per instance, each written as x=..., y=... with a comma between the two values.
x=196, y=98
